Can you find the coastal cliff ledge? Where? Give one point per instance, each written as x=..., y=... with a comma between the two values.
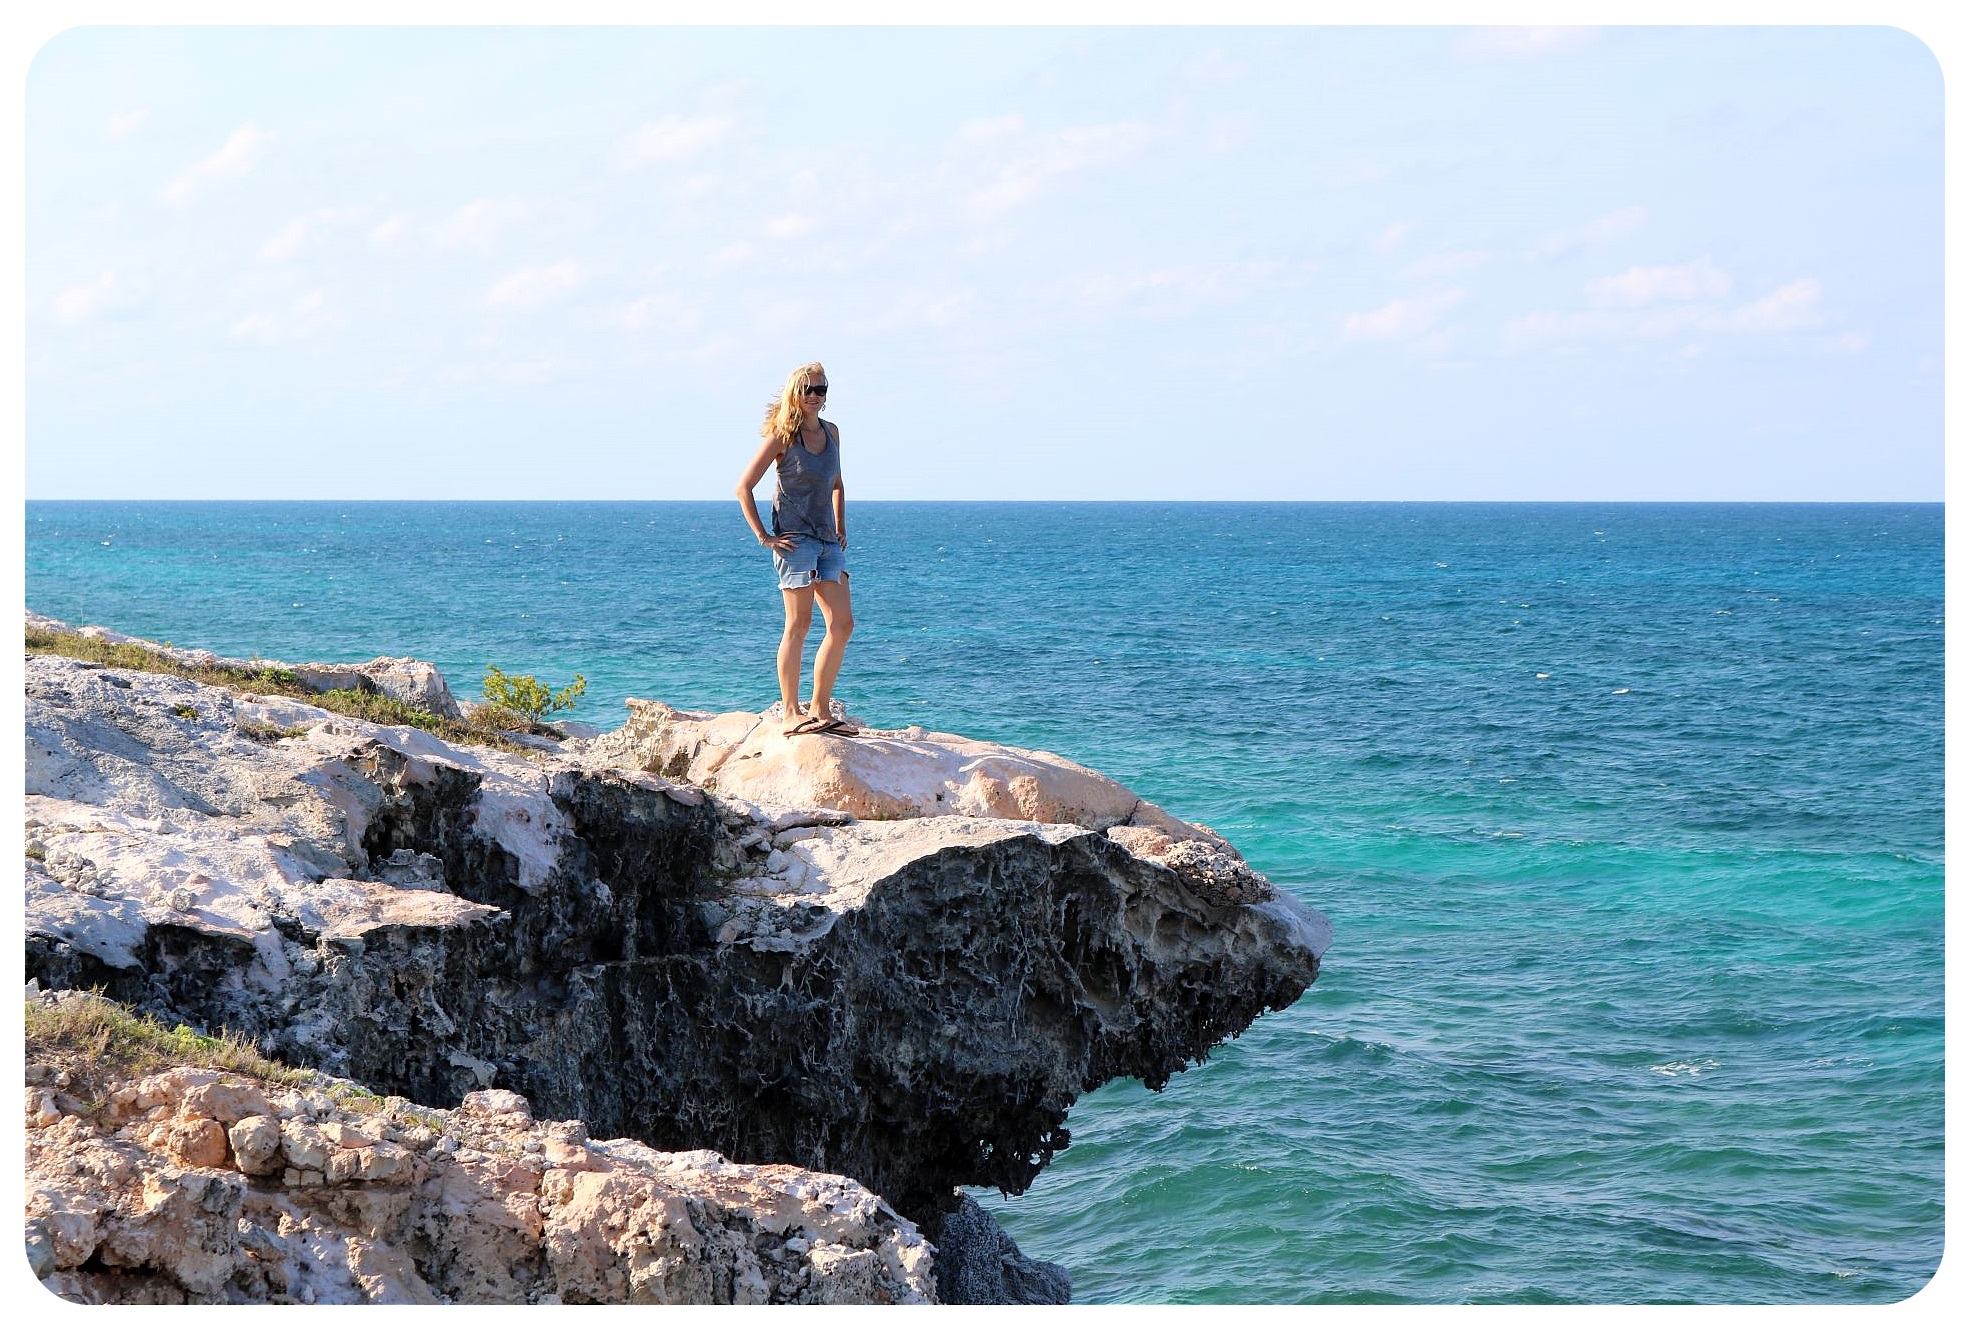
x=200, y=1184
x=899, y=957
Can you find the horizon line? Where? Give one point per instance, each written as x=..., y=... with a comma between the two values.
x=1169, y=502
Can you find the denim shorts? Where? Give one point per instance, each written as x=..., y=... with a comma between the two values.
x=810, y=560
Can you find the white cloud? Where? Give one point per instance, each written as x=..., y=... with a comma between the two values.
x=485, y=225
x=1791, y=307
x=739, y=254
x=307, y=315
x=1392, y=236
x=674, y=138
x=392, y=234
x=1362, y=173
x=1163, y=292
x=481, y=226
x=1621, y=222
x=1647, y=286
x=286, y=242
x=1025, y=167
x=791, y=226
x=1229, y=129
x=990, y=129
x=1522, y=43
x=1600, y=231
x=303, y=231
x=1794, y=305
x=1402, y=318
x=536, y=371
x=240, y=154
x=1540, y=326
x=79, y=304
x=1438, y=266
x=125, y=123
x=935, y=309
x=657, y=310
x=533, y=288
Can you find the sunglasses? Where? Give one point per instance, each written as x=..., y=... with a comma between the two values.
x=815, y=390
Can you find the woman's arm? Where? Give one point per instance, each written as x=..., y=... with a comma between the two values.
x=840, y=498
x=768, y=453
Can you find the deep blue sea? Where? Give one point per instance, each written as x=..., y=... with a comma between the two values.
x=1629, y=818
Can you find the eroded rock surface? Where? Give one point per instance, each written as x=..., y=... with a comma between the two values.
x=913, y=1001
x=978, y=1264
x=915, y=773
x=411, y=681
x=191, y=1185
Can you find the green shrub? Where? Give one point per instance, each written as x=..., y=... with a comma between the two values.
x=495, y=718
x=527, y=696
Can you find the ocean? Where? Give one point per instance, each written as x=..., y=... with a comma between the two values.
x=1629, y=818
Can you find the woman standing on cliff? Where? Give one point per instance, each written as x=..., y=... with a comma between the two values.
x=809, y=541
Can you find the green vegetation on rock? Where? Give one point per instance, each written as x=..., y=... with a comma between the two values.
x=483, y=726
x=526, y=696
x=116, y=1040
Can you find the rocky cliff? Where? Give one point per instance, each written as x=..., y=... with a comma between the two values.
x=694, y=932
x=193, y=1184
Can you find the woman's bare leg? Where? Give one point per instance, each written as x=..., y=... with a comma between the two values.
x=793, y=640
x=840, y=619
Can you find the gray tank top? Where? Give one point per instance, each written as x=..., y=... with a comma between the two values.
x=803, y=498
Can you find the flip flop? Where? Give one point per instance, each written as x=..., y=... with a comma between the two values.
x=808, y=725
x=839, y=727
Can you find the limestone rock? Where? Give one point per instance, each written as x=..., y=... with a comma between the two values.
x=413, y=682
x=912, y=1000
x=911, y=773
x=461, y=1206
x=877, y=774
x=416, y=683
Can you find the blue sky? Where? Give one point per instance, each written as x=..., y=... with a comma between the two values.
x=1312, y=263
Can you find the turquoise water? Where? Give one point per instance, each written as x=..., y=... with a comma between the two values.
x=1629, y=819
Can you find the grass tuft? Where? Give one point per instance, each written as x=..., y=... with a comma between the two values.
x=117, y=1042
x=267, y=734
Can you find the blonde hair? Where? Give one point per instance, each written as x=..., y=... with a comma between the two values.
x=786, y=413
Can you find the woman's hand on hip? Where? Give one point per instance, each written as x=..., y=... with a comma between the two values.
x=778, y=544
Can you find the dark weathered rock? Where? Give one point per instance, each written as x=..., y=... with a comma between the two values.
x=913, y=1004
x=978, y=1263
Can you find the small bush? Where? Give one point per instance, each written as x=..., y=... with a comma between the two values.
x=499, y=718
x=185, y=711
x=527, y=696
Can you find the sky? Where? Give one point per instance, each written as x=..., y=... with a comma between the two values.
x=1061, y=263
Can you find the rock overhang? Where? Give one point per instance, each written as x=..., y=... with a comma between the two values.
x=915, y=997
